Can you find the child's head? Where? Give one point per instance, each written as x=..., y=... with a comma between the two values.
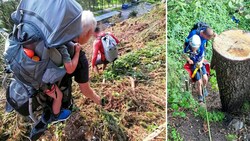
x=195, y=42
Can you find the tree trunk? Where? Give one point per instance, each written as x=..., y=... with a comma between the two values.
x=231, y=60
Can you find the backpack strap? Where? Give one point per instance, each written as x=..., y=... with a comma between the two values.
x=21, y=37
x=100, y=37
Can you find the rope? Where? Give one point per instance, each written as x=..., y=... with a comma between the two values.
x=208, y=125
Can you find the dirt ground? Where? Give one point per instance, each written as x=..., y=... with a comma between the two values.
x=192, y=128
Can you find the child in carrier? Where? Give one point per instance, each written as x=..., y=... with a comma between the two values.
x=52, y=90
x=195, y=60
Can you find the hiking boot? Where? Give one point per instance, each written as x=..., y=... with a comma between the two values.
x=200, y=98
x=205, y=92
x=64, y=115
x=39, y=128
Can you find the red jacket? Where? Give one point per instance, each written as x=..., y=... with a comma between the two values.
x=98, y=47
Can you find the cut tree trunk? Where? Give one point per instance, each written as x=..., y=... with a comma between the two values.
x=231, y=60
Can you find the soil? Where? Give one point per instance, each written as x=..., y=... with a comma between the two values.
x=194, y=128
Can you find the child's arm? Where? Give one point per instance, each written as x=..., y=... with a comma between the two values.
x=186, y=57
x=201, y=60
x=71, y=66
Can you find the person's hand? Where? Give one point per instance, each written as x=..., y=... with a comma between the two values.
x=215, y=34
x=199, y=64
x=77, y=47
x=190, y=61
x=106, y=101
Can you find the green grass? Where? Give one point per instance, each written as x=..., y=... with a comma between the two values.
x=151, y=1
x=213, y=116
x=173, y=135
x=138, y=63
x=213, y=80
x=246, y=107
x=112, y=123
x=231, y=137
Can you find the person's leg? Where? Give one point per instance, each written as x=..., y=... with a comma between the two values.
x=205, y=78
x=199, y=89
x=199, y=86
x=199, y=83
x=96, y=69
x=56, y=94
x=98, y=62
x=57, y=103
x=58, y=114
x=104, y=66
x=89, y=92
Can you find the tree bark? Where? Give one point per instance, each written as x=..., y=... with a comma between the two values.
x=231, y=60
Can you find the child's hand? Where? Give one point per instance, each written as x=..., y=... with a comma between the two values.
x=77, y=47
x=191, y=62
x=199, y=64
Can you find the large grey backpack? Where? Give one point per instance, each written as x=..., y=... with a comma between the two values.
x=51, y=24
x=110, y=47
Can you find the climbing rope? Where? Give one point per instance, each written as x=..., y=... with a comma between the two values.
x=208, y=125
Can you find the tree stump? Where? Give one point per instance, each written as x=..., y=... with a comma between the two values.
x=231, y=60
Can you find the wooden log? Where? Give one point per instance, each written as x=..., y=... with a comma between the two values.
x=231, y=60
x=156, y=133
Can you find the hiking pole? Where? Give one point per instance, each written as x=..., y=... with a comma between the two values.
x=208, y=125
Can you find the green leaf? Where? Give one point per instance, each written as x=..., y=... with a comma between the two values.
x=175, y=107
x=247, y=16
x=182, y=114
x=230, y=4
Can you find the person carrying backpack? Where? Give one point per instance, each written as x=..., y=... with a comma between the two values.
x=104, y=49
x=195, y=60
x=52, y=90
x=205, y=33
x=78, y=67
x=81, y=73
